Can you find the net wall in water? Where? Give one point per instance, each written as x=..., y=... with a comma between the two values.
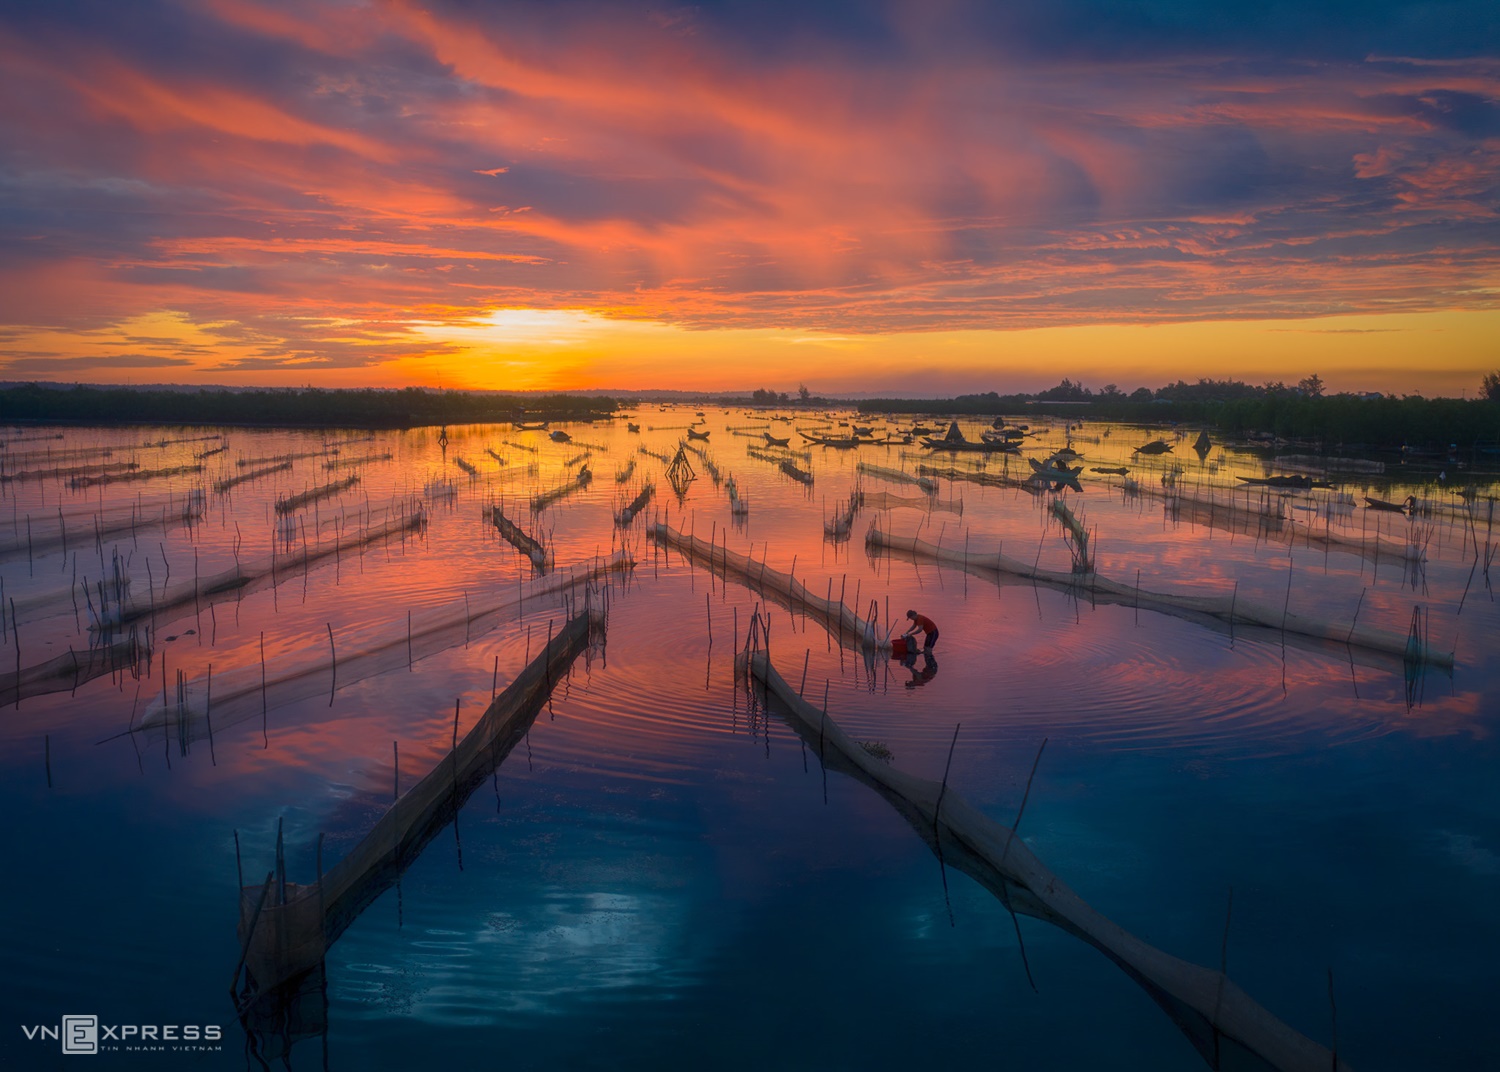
x=286, y=929
x=254, y=687
x=1228, y=1027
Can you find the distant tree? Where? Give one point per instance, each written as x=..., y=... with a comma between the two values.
x=1067, y=391
x=1206, y=390
x=1311, y=386
x=1111, y=391
x=803, y=393
x=1491, y=386
x=1141, y=394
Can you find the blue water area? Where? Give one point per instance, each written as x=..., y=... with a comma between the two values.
x=661, y=874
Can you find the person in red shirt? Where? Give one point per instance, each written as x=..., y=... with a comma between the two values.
x=924, y=623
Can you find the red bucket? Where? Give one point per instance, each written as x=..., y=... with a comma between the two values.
x=901, y=646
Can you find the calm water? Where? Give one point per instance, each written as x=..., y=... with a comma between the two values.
x=652, y=880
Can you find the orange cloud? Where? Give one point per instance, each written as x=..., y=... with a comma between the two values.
x=383, y=166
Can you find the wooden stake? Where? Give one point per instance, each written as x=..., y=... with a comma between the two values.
x=208, y=708
x=263, y=681
x=937, y=809
x=1024, y=797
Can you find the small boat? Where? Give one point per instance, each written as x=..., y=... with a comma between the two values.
x=1058, y=474
x=1201, y=444
x=1121, y=471
x=823, y=441
x=630, y=427
x=981, y=447
x=693, y=433
x=1395, y=508
x=921, y=430
x=955, y=441
x=861, y=430
x=1285, y=482
x=1052, y=470
x=1158, y=446
x=530, y=426
x=559, y=436
x=774, y=442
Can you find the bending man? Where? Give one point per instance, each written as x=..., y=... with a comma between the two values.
x=924, y=623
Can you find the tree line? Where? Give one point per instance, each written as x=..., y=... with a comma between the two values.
x=1303, y=411
x=301, y=407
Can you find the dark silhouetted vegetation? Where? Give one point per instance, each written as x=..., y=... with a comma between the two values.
x=304, y=407
x=1233, y=408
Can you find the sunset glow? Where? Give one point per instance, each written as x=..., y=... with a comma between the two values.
x=903, y=199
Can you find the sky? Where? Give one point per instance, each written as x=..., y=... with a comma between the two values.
x=918, y=198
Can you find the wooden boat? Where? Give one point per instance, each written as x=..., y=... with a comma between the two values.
x=559, y=436
x=774, y=442
x=1053, y=471
x=961, y=444
x=1201, y=444
x=921, y=430
x=631, y=427
x=1155, y=447
x=823, y=441
x=530, y=426
x=693, y=433
x=861, y=430
x=1057, y=474
x=1395, y=508
x=1121, y=471
x=1285, y=482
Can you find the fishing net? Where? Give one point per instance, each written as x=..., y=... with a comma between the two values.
x=286, y=929
x=842, y=623
x=1225, y=607
x=195, y=708
x=1229, y=1028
